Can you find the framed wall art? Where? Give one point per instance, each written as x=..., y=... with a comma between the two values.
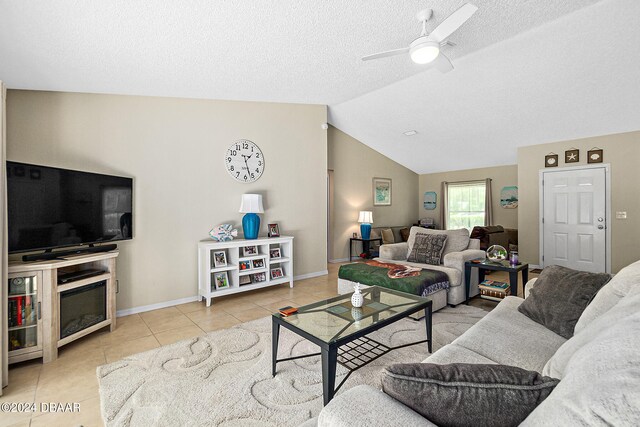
x=595, y=155
x=572, y=156
x=381, y=192
x=430, y=200
x=509, y=197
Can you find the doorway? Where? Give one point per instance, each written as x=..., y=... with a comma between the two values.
x=329, y=215
x=575, y=215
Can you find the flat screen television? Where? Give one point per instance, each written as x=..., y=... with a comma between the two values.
x=51, y=208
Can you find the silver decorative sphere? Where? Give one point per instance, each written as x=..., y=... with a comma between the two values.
x=496, y=253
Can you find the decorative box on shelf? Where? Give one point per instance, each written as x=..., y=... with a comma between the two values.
x=246, y=265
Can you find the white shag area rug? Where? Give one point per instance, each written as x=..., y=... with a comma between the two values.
x=224, y=378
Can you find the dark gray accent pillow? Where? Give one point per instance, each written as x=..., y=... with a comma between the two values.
x=560, y=296
x=466, y=394
x=427, y=248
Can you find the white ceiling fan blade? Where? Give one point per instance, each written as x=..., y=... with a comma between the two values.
x=453, y=22
x=442, y=63
x=385, y=54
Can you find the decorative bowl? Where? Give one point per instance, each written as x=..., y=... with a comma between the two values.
x=497, y=253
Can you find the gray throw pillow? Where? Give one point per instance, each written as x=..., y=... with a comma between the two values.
x=427, y=248
x=560, y=296
x=466, y=394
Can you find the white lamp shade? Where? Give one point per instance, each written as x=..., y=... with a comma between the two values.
x=366, y=216
x=251, y=203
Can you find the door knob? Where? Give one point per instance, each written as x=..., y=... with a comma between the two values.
x=600, y=227
x=600, y=219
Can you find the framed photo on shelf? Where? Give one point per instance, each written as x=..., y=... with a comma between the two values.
x=249, y=250
x=259, y=277
x=274, y=253
x=276, y=273
x=274, y=230
x=257, y=263
x=245, y=265
x=245, y=280
x=219, y=259
x=221, y=280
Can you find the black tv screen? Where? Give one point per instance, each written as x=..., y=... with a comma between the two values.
x=51, y=207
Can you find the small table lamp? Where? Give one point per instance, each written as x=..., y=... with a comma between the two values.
x=365, y=219
x=251, y=205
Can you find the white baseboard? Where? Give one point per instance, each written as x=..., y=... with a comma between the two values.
x=310, y=275
x=532, y=266
x=336, y=261
x=143, y=308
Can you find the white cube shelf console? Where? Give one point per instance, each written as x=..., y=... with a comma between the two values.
x=243, y=268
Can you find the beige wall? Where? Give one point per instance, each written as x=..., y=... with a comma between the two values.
x=174, y=148
x=501, y=176
x=622, y=152
x=354, y=166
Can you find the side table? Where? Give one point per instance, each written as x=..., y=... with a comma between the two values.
x=365, y=244
x=484, y=265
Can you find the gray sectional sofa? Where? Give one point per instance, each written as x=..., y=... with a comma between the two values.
x=598, y=368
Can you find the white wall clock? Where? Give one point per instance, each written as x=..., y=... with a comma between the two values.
x=244, y=161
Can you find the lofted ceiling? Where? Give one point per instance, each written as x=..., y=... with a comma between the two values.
x=525, y=72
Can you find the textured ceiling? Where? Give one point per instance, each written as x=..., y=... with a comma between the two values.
x=575, y=77
x=275, y=50
x=527, y=71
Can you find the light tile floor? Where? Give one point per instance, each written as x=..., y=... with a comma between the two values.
x=72, y=377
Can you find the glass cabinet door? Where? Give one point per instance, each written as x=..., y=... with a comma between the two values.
x=23, y=310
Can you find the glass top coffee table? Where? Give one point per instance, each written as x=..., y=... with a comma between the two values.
x=340, y=330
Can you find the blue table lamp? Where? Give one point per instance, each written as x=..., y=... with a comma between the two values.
x=365, y=219
x=251, y=205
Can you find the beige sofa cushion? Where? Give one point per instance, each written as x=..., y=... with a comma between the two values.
x=626, y=282
x=601, y=383
x=508, y=337
x=387, y=236
x=617, y=317
x=457, y=240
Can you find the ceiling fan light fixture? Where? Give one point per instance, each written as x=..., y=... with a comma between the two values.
x=425, y=52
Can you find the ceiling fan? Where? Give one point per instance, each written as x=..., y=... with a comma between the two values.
x=426, y=48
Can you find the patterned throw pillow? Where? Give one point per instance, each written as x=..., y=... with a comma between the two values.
x=427, y=248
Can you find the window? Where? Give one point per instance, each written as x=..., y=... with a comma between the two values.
x=466, y=204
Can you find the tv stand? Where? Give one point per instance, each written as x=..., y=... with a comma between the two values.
x=54, y=298
x=50, y=255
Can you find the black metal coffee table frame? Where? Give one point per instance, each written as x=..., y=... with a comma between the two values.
x=352, y=351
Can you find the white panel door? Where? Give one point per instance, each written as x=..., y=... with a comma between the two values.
x=574, y=230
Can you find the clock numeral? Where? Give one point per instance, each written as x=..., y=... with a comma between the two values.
x=234, y=152
x=259, y=163
x=228, y=159
x=245, y=177
x=237, y=146
x=237, y=174
x=258, y=156
x=257, y=170
x=231, y=169
x=245, y=146
x=252, y=176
